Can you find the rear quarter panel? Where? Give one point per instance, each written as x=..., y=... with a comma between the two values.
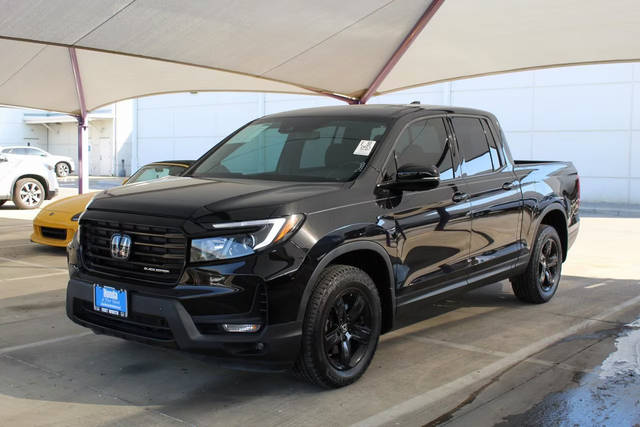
x=546, y=186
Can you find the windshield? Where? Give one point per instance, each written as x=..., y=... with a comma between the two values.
x=296, y=149
x=149, y=172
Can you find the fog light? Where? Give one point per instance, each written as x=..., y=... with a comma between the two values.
x=241, y=327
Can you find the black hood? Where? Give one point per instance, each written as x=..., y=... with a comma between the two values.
x=191, y=198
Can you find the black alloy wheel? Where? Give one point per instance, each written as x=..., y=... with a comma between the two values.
x=347, y=330
x=539, y=282
x=548, y=265
x=341, y=327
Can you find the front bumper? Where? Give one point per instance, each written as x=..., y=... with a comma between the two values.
x=165, y=321
x=52, y=232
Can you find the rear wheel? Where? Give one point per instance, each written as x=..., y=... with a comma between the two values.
x=540, y=280
x=341, y=328
x=62, y=169
x=28, y=193
x=2, y=202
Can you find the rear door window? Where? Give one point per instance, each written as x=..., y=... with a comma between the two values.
x=496, y=158
x=473, y=145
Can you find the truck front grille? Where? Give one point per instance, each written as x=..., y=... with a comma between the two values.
x=157, y=254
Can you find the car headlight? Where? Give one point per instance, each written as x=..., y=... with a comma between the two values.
x=245, y=238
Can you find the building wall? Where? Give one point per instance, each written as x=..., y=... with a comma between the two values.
x=63, y=140
x=587, y=114
x=13, y=131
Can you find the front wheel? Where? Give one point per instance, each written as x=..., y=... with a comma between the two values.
x=62, y=169
x=341, y=328
x=540, y=280
x=28, y=194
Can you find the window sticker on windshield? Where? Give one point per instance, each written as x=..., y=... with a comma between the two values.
x=364, y=147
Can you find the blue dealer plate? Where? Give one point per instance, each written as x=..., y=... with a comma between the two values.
x=110, y=300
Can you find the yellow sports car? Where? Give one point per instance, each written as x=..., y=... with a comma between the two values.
x=56, y=224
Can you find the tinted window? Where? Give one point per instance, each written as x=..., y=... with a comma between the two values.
x=425, y=143
x=34, y=152
x=19, y=151
x=296, y=149
x=473, y=145
x=261, y=156
x=496, y=158
x=149, y=172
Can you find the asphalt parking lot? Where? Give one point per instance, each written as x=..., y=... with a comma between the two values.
x=480, y=359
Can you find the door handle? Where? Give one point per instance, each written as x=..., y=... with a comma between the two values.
x=509, y=185
x=460, y=197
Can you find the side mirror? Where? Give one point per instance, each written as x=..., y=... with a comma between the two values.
x=413, y=177
x=43, y=155
x=3, y=158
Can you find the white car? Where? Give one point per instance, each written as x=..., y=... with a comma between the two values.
x=26, y=180
x=63, y=165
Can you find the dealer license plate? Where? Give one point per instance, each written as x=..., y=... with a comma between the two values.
x=110, y=300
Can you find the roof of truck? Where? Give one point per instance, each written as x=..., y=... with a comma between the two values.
x=173, y=162
x=378, y=111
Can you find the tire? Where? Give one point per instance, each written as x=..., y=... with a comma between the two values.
x=62, y=169
x=2, y=202
x=28, y=193
x=336, y=348
x=539, y=282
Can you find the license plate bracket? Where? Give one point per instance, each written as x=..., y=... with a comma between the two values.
x=110, y=300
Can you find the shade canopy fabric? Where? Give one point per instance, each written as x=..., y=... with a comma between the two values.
x=128, y=48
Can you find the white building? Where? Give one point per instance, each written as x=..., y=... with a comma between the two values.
x=587, y=114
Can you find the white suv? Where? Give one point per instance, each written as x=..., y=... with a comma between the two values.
x=63, y=165
x=26, y=181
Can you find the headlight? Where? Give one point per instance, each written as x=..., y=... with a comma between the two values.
x=246, y=238
x=76, y=217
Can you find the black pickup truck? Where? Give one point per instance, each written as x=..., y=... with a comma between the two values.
x=304, y=235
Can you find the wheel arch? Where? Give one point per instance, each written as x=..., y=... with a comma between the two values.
x=373, y=260
x=66, y=162
x=40, y=179
x=555, y=217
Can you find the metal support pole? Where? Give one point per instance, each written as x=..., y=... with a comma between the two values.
x=400, y=50
x=83, y=155
x=83, y=140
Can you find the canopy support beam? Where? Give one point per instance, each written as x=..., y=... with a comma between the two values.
x=83, y=140
x=343, y=98
x=401, y=49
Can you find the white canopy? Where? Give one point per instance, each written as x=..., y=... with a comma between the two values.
x=128, y=48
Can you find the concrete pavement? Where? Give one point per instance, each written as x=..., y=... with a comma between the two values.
x=481, y=359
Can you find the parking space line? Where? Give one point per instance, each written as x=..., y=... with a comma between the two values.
x=43, y=342
x=19, y=245
x=434, y=395
x=37, y=276
x=474, y=349
x=30, y=264
x=597, y=285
